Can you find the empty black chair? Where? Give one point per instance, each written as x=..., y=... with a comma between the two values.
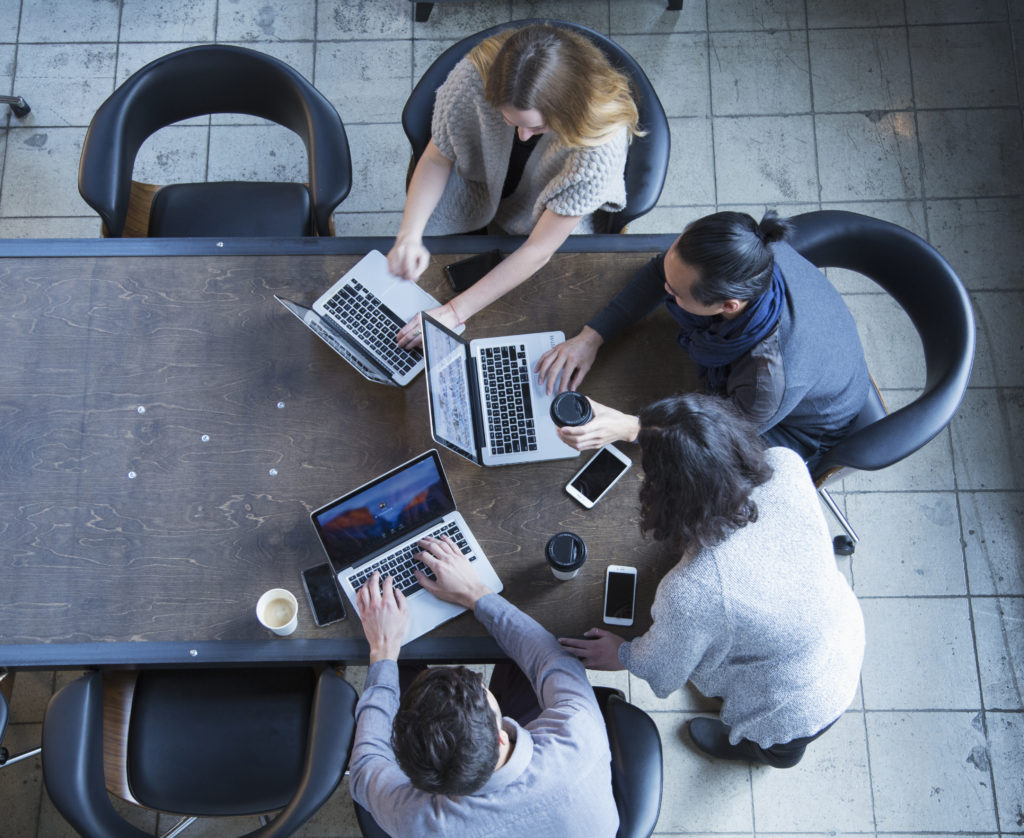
x=208, y=743
x=637, y=772
x=207, y=80
x=935, y=300
x=647, y=159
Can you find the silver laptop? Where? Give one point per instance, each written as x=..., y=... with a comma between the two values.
x=484, y=399
x=359, y=315
x=377, y=527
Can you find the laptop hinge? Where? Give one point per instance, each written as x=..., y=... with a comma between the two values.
x=473, y=374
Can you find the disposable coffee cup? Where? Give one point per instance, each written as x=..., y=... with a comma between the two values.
x=278, y=610
x=569, y=409
x=565, y=553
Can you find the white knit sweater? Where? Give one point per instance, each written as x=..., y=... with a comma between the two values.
x=467, y=130
x=763, y=620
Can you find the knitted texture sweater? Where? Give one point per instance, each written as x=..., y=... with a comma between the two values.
x=472, y=133
x=763, y=620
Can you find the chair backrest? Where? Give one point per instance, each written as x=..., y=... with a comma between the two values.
x=73, y=745
x=929, y=291
x=209, y=79
x=637, y=772
x=647, y=160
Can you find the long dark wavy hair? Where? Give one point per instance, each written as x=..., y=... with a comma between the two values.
x=701, y=460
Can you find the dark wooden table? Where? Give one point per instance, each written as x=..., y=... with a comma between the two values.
x=166, y=428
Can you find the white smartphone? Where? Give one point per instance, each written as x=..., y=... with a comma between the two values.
x=599, y=474
x=619, y=595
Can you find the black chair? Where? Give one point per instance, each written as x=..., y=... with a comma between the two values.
x=422, y=9
x=6, y=757
x=207, y=743
x=935, y=300
x=636, y=768
x=206, y=80
x=647, y=160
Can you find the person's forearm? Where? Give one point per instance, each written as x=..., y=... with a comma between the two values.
x=519, y=266
x=547, y=236
x=425, y=190
x=640, y=296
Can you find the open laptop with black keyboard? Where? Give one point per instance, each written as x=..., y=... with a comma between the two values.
x=363, y=312
x=485, y=401
x=379, y=526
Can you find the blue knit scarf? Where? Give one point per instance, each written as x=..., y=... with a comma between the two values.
x=715, y=343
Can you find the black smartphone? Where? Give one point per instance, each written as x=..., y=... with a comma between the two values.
x=598, y=475
x=325, y=597
x=465, y=272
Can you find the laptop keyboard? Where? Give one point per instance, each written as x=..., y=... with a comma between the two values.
x=401, y=564
x=370, y=321
x=506, y=379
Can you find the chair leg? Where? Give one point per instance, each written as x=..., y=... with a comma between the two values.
x=840, y=517
x=423, y=11
x=179, y=827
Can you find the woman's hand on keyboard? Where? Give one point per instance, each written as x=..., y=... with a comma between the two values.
x=456, y=579
x=411, y=334
x=385, y=617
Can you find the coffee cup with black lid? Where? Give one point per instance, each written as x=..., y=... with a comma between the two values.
x=566, y=552
x=569, y=409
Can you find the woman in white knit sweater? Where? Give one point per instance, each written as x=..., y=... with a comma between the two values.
x=756, y=611
x=545, y=99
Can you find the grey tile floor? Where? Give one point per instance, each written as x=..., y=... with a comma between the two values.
x=909, y=110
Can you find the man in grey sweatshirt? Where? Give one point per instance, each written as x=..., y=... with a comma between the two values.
x=443, y=761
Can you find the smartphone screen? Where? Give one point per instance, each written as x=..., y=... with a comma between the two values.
x=620, y=594
x=324, y=594
x=595, y=478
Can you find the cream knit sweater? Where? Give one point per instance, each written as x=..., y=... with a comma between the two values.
x=466, y=129
x=763, y=620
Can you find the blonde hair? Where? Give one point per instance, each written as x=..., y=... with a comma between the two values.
x=562, y=74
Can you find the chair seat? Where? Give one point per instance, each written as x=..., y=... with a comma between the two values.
x=219, y=743
x=232, y=208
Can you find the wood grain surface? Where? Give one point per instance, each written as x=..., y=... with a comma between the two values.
x=236, y=422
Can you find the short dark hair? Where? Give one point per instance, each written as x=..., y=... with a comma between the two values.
x=701, y=461
x=731, y=254
x=445, y=733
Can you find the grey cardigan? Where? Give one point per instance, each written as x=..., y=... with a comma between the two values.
x=763, y=620
x=472, y=133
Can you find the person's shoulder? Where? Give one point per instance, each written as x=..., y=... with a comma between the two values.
x=790, y=476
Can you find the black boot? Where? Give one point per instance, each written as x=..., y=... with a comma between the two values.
x=712, y=737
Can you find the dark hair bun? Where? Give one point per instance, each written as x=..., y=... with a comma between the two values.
x=773, y=228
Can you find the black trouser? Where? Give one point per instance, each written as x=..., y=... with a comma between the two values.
x=510, y=686
x=784, y=755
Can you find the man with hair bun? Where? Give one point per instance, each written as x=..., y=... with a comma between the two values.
x=766, y=328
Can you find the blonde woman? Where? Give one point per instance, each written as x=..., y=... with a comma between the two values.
x=528, y=137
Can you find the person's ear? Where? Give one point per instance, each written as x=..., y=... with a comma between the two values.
x=731, y=306
x=503, y=739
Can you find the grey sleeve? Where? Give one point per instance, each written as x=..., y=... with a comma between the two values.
x=556, y=675
x=687, y=621
x=641, y=295
x=757, y=383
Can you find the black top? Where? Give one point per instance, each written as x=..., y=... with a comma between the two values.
x=521, y=151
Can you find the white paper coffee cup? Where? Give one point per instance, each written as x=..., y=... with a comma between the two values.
x=278, y=610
